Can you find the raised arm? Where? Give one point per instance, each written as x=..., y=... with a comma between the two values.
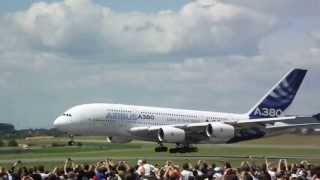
x=267, y=163
x=65, y=167
x=279, y=165
x=286, y=164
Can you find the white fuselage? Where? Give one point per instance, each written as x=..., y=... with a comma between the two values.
x=118, y=119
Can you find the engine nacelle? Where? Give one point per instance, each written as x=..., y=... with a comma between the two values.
x=171, y=135
x=220, y=132
x=118, y=140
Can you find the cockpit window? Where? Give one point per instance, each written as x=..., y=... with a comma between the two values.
x=67, y=114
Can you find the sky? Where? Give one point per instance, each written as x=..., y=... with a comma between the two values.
x=216, y=55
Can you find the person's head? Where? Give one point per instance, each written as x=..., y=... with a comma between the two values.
x=122, y=166
x=309, y=167
x=71, y=175
x=218, y=170
x=316, y=172
x=204, y=167
x=144, y=161
x=301, y=166
x=246, y=176
x=41, y=168
x=168, y=163
x=176, y=168
x=264, y=167
x=31, y=170
x=132, y=170
x=92, y=167
x=303, y=173
x=52, y=177
x=213, y=165
x=101, y=169
x=157, y=165
x=20, y=171
x=140, y=162
x=185, y=166
x=195, y=173
x=86, y=167
x=230, y=177
x=162, y=172
x=26, y=178
x=59, y=172
x=282, y=166
x=244, y=167
x=77, y=168
x=2, y=170
x=227, y=165
x=230, y=171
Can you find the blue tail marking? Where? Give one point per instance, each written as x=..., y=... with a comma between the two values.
x=279, y=98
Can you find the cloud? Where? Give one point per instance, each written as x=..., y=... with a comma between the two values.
x=282, y=9
x=84, y=28
x=210, y=55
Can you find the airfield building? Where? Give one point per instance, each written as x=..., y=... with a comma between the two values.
x=6, y=128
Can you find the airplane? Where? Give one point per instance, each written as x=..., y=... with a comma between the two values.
x=123, y=123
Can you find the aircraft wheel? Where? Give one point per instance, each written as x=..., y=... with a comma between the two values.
x=193, y=149
x=161, y=149
x=173, y=150
x=70, y=143
x=164, y=149
x=182, y=150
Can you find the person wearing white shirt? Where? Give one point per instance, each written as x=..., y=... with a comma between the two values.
x=186, y=174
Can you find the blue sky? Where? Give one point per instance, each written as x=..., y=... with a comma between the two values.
x=203, y=54
x=136, y=5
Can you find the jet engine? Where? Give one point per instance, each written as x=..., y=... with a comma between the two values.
x=118, y=139
x=171, y=135
x=220, y=131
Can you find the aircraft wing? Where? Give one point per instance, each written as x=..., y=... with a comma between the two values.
x=219, y=131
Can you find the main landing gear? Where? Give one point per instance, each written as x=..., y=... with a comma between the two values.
x=184, y=148
x=180, y=148
x=161, y=148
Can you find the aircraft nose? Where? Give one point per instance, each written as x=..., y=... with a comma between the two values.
x=60, y=122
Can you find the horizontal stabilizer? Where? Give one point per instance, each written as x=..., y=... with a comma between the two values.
x=286, y=119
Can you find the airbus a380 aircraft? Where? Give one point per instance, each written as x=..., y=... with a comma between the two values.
x=123, y=123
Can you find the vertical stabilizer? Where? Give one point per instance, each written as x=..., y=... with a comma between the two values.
x=280, y=96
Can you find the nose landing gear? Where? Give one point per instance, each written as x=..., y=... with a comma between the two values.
x=71, y=140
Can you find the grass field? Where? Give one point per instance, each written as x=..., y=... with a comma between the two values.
x=93, y=149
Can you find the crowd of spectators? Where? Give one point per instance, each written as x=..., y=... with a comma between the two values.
x=121, y=170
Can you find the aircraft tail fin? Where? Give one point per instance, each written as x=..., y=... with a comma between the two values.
x=280, y=96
